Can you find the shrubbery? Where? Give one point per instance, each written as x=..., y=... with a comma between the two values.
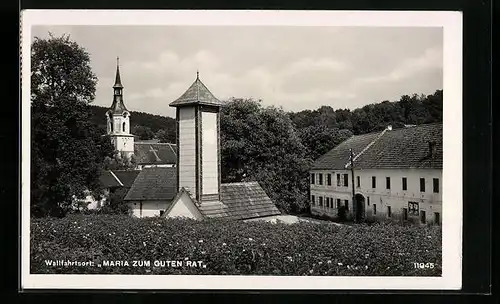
x=237, y=248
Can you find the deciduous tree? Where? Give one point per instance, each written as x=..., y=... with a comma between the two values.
x=67, y=151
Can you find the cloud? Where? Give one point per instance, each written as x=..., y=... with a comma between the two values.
x=429, y=60
x=293, y=67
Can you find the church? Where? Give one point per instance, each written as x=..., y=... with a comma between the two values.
x=147, y=153
x=184, y=179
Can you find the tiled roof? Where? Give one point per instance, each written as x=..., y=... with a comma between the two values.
x=118, y=178
x=197, y=93
x=339, y=156
x=126, y=177
x=390, y=149
x=107, y=180
x=240, y=201
x=157, y=183
x=155, y=153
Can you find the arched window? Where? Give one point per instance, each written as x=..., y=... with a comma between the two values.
x=123, y=127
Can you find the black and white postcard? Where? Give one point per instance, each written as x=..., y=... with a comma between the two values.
x=241, y=150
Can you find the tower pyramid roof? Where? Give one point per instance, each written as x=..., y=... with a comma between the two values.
x=197, y=93
x=118, y=81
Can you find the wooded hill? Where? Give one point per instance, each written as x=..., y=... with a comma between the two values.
x=319, y=129
x=144, y=125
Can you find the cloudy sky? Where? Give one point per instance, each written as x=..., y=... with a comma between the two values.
x=293, y=67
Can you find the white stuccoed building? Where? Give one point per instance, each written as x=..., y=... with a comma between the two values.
x=397, y=176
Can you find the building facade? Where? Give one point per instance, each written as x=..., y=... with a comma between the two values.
x=118, y=120
x=397, y=177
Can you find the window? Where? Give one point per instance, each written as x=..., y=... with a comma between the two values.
x=436, y=218
x=320, y=179
x=327, y=202
x=422, y=217
x=123, y=127
x=338, y=179
x=435, y=185
x=338, y=203
x=405, y=214
x=374, y=209
x=329, y=179
x=312, y=178
x=161, y=212
x=346, y=180
x=346, y=202
x=320, y=201
x=389, y=212
x=358, y=181
x=413, y=208
x=405, y=185
x=368, y=200
x=313, y=200
x=374, y=182
x=388, y=183
x=422, y=184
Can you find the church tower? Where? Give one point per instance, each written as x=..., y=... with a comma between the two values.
x=198, y=142
x=118, y=120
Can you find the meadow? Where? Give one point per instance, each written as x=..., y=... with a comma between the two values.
x=231, y=247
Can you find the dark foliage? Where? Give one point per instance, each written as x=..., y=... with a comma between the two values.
x=233, y=248
x=115, y=203
x=261, y=144
x=67, y=151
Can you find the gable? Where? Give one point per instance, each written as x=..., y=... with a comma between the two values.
x=183, y=206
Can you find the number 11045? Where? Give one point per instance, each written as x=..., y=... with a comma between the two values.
x=423, y=265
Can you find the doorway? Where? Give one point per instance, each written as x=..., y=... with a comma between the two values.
x=360, y=207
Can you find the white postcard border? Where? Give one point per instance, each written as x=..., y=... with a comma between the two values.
x=451, y=22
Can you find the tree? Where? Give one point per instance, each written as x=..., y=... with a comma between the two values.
x=118, y=162
x=320, y=139
x=166, y=135
x=67, y=151
x=260, y=144
x=144, y=133
x=115, y=203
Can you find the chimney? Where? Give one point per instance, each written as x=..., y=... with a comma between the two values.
x=432, y=149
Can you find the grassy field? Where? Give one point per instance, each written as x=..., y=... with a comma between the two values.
x=126, y=245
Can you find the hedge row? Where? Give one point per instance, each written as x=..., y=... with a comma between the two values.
x=236, y=248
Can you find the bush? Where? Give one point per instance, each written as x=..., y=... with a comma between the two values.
x=233, y=247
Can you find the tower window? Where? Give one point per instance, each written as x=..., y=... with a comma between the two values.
x=111, y=126
x=123, y=127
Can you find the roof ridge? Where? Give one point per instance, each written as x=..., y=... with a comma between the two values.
x=367, y=146
x=116, y=177
x=175, y=153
